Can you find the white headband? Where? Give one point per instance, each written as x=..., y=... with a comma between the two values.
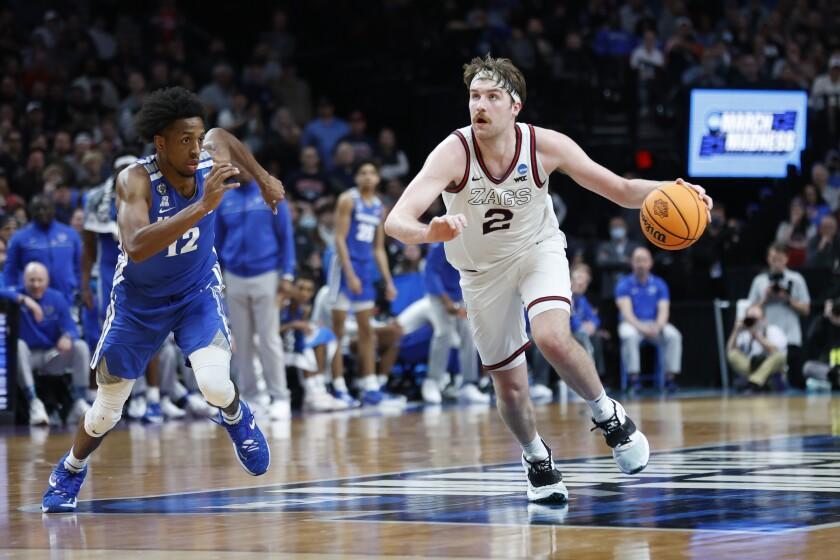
x=498, y=81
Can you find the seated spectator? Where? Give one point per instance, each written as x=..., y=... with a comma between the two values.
x=644, y=305
x=815, y=205
x=49, y=342
x=584, y=319
x=325, y=131
x=822, y=368
x=357, y=137
x=309, y=347
x=443, y=308
x=820, y=178
x=794, y=233
x=824, y=247
x=647, y=60
x=46, y=240
x=342, y=176
x=827, y=86
x=613, y=256
x=756, y=350
x=392, y=160
x=783, y=294
x=309, y=183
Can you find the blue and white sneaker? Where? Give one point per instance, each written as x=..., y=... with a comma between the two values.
x=347, y=398
x=60, y=497
x=383, y=399
x=153, y=414
x=249, y=443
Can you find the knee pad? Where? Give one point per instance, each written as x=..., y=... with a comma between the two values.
x=211, y=366
x=106, y=410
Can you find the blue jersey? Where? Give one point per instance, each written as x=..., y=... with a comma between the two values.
x=178, y=290
x=187, y=265
x=364, y=220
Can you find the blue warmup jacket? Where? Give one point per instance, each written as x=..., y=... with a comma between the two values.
x=57, y=321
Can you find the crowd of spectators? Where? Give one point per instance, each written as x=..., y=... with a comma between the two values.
x=73, y=80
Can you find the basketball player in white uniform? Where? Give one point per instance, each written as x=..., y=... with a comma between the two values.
x=501, y=234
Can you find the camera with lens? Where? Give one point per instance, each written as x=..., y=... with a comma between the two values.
x=778, y=284
x=749, y=322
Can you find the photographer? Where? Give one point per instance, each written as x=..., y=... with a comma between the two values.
x=823, y=349
x=783, y=295
x=756, y=350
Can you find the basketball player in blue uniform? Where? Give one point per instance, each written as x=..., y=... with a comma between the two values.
x=359, y=247
x=168, y=279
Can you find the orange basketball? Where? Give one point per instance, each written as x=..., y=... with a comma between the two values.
x=673, y=217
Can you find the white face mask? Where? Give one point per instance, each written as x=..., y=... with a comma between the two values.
x=618, y=233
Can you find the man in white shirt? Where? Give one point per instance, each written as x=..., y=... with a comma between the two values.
x=756, y=350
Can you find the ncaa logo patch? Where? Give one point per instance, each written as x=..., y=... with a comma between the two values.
x=522, y=169
x=758, y=487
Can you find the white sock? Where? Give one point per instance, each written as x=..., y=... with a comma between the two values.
x=381, y=380
x=369, y=382
x=536, y=450
x=233, y=418
x=602, y=407
x=340, y=385
x=74, y=464
x=153, y=395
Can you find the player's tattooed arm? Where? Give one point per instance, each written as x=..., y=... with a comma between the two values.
x=142, y=239
x=225, y=147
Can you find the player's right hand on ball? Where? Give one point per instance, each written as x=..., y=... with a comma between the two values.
x=215, y=186
x=445, y=228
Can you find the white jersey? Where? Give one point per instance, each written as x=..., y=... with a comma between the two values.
x=505, y=215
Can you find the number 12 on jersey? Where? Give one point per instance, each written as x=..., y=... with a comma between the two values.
x=191, y=235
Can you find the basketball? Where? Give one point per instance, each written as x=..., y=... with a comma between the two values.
x=673, y=217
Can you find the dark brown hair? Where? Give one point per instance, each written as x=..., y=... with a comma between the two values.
x=509, y=74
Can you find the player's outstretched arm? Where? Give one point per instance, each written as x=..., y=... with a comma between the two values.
x=141, y=239
x=558, y=152
x=445, y=165
x=226, y=148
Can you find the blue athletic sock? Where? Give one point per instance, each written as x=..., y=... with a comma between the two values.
x=29, y=393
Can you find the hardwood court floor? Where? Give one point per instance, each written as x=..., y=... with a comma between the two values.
x=763, y=498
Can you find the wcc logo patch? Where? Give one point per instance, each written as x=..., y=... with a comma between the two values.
x=763, y=487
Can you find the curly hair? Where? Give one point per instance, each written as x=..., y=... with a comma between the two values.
x=164, y=106
x=509, y=74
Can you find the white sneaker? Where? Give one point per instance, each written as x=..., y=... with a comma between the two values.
x=170, y=411
x=280, y=410
x=631, y=450
x=545, y=481
x=38, y=413
x=320, y=402
x=469, y=393
x=540, y=392
x=80, y=408
x=431, y=391
x=136, y=408
x=198, y=407
x=813, y=385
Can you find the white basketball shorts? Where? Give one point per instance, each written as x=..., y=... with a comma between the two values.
x=535, y=280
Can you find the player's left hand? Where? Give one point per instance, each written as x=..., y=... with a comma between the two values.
x=390, y=291
x=707, y=200
x=272, y=191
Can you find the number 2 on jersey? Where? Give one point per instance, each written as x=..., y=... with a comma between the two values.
x=497, y=220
